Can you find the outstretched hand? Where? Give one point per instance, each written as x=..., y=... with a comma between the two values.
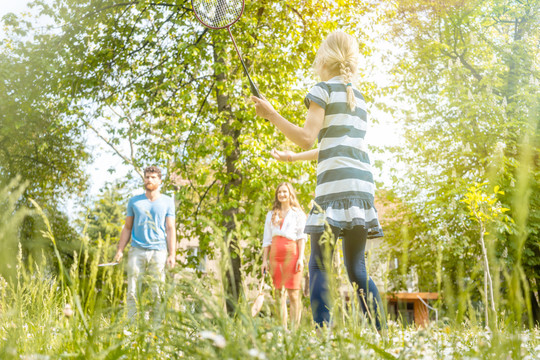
x=285, y=155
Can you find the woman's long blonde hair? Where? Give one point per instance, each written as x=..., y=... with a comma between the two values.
x=338, y=54
x=293, y=201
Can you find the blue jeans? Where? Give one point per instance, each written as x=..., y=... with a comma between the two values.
x=354, y=244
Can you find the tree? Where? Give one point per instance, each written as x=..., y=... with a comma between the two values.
x=469, y=73
x=39, y=144
x=37, y=140
x=484, y=209
x=152, y=75
x=105, y=218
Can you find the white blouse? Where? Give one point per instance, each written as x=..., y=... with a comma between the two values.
x=292, y=228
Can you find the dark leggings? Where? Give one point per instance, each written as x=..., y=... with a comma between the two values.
x=354, y=244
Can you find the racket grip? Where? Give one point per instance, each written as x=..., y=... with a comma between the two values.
x=253, y=87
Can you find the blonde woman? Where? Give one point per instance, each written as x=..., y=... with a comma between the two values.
x=283, y=250
x=344, y=196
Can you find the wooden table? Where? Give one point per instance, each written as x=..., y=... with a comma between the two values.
x=421, y=317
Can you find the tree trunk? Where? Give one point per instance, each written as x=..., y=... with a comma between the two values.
x=232, y=280
x=535, y=306
x=233, y=276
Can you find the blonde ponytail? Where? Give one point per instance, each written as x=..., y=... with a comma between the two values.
x=338, y=55
x=347, y=79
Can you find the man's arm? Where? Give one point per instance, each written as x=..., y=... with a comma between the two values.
x=125, y=236
x=170, y=225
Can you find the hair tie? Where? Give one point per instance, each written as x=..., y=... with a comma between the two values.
x=349, y=84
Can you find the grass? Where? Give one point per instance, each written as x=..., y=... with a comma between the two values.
x=80, y=314
x=194, y=325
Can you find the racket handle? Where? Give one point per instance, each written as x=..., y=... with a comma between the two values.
x=252, y=86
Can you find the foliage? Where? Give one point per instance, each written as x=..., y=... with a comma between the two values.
x=160, y=89
x=401, y=222
x=21, y=232
x=48, y=316
x=105, y=217
x=38, y=142
x=36, y=246
x=11, y=218
x=469, y=73
x=40, y=147
x=484, y=209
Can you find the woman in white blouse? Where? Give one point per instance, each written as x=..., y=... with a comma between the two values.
x=283, y=249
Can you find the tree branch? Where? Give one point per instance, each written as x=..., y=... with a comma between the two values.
x=202, y=197
x=94, y=12
x=298, y=14
x=115, y=149
x=469, y=67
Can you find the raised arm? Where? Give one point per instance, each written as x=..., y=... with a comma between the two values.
x=301, y=136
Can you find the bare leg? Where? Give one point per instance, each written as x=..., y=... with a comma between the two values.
x=296, y=306
x=283, y=307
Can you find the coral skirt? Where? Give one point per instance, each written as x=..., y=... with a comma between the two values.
x=283, y=258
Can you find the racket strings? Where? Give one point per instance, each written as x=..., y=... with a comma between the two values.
x=218, y=13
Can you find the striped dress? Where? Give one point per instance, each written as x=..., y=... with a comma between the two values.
x=344, y=196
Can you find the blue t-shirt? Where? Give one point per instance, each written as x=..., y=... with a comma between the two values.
x=148, y=230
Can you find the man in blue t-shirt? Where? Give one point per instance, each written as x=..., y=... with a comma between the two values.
x=150, y=224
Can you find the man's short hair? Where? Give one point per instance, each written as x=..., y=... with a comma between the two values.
x=153, y=169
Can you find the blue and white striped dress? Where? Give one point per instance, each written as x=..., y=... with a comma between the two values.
x=344, y=196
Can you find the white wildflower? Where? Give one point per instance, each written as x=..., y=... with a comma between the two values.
x=257, y=354
x=68, y=311
x=219, y=340
x=35, y=357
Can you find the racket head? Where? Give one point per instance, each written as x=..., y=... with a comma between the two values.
x=108, y=264
x=218, y=14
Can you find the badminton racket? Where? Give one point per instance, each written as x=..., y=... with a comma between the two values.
x=221, y=14
x=108, y=264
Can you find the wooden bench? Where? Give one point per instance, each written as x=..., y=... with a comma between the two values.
x=416, y=301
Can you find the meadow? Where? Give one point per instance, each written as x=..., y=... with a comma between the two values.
x=80, y=314
x=456, y=80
